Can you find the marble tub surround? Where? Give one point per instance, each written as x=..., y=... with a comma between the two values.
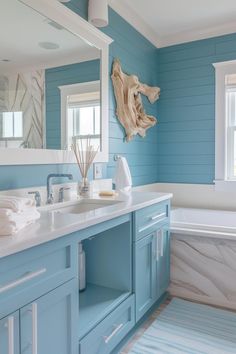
x=52, y=225
x=204, y=269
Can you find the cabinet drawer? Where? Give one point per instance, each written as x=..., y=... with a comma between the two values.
x=106, y=336
x=149, y=219
x=31, y=273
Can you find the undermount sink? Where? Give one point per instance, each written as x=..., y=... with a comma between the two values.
x=78, y=206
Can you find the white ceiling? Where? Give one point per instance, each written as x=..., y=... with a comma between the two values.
x=22, y=29
x=167, y=22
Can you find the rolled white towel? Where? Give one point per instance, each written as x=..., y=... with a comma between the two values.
x=10, y=228
x=17, y=204
x=8, y=215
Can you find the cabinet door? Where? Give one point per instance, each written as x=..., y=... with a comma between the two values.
x=145, y=274
x=163, y=266
x=9, y=334
x=48, y=325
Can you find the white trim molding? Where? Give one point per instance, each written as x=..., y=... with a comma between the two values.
x=162, y=41
x=222, y=181
x=196, y=35
x=136, y=21
x=68, y=19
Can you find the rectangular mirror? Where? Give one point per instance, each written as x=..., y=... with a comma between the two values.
x=50, y=83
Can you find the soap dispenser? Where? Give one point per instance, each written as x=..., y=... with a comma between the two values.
x=82, y=270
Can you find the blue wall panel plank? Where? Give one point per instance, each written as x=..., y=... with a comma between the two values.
x=183, y=159
x=186, y=83
x=188, y=91
x=192, y=149
x=185, y=178
x=186, y=51
x=186, y=110
x=187, y=136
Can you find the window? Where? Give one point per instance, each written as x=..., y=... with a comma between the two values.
x=11, y=129
x=225, y=127
x=83, y=120
x=11, y=125
x=81, y=113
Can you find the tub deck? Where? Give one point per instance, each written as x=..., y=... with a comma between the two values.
x=204, y=222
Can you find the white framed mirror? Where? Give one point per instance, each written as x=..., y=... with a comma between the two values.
x=53, y=83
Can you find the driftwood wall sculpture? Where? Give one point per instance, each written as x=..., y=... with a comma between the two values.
x=130, y=111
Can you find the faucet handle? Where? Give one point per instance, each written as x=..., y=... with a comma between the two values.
x=61, y=193
x=37, y=197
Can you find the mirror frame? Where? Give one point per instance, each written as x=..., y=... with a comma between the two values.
x=71, y=21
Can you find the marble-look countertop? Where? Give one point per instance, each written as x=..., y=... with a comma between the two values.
x=53, y=225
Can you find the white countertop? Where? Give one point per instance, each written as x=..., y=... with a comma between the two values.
x=53, y=225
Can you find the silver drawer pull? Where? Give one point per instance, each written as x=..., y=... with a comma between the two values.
x=108, y=338
x=10, y=326
x=34, y=328
x=22, y=280
x=157, y=216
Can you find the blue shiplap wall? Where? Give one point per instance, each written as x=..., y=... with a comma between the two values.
x=64, y=75
x=187, y=109
x=137, y=56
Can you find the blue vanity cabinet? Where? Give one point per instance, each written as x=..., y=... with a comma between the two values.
x=150, y=219
x=163, y=268
x=151, y=255
x=127, y=271
x=47, y=325
x=40, y=287
x=152, y=269
x=145, y=274
x=107, y=335
x=9, y=334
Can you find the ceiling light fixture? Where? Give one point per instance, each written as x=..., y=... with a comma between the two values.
x=98, y=13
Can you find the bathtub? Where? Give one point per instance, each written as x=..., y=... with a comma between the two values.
x=204, y=222
x=203, y=256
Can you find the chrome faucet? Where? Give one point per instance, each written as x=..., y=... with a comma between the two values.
x=49, y=184
x=37, y=197
x=61, y=194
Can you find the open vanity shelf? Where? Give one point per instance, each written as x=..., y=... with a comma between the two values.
x=108, y=274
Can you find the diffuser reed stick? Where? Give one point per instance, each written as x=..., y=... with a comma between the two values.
x=85, y=154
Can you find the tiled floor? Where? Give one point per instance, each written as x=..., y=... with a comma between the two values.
x=144, y=326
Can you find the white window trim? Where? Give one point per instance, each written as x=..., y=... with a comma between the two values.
x=222, y=183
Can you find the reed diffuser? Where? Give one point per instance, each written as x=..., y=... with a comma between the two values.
x=85, y=154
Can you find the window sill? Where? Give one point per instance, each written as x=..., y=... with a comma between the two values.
x=225, y=185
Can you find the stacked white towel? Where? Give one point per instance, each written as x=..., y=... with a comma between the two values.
x=122, y=178
x=16, y=213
